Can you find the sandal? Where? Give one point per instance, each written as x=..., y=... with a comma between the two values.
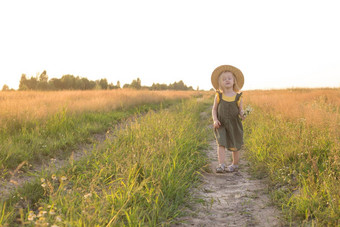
x=232, y=168
x=220, y=168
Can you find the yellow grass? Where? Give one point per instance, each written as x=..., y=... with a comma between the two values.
x=293, y=137
x=37, y=105
x=319, y=107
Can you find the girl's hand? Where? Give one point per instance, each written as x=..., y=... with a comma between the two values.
x=242, y=115
x=217, y=124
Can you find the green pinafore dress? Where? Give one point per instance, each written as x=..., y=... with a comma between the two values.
x=230, y=133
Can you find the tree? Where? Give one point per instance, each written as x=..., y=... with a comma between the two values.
x=43, y=76
x=86, y=83
x=136, y=84
x=23, y=82
x=55, y=84
x=112, y=86
x=43, y=81
x=68, y=82
x=159, y=86
x=32, y=84
x=103, y=83
x=92, y=84
x=178, y=86
x=5, y=87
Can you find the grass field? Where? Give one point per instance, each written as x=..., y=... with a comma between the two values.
x=143, y=174
x=35, y=126
x=141, y=177
x=20, y=107
x=293, y=137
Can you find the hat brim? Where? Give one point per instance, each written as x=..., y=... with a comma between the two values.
x=237, y=73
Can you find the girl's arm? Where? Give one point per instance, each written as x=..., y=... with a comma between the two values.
x=241, y=112
x=217, y=123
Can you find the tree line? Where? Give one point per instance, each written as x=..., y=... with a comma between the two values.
x=136, y=84
x=66, y=82
x=69, y=82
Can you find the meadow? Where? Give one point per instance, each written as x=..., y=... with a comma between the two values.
x=292, y=137
x=140, y=177
x=36, y=126
x=143, y=173
x=20, y=107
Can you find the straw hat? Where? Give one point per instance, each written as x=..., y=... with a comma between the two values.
x=237, y=73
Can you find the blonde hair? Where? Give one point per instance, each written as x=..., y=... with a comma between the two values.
x=235, y=86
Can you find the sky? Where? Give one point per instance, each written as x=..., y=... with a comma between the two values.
x=276, y=44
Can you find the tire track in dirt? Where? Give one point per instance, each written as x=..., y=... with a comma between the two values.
x=231, y=199
x=18, y=179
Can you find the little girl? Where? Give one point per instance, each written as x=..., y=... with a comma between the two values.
x=227, y=113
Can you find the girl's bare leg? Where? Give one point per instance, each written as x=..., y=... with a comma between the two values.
x=221, y=154
x=236, y=157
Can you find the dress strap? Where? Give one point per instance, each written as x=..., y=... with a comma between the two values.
x=219, y=96
x=238, y=96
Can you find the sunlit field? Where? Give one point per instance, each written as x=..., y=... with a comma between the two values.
x=315, y=106
x=24, y=106
x=140, y=177
x=38, y=125
x=293, y=137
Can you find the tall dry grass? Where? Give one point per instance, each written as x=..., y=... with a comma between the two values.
x=25, y=106
x=318, y=107
x=293, y=136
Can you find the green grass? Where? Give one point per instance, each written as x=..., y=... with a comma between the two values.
x=140, y=177
x=32, y=142
x=302, y=162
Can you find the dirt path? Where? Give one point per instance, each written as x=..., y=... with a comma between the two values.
x=232, y=199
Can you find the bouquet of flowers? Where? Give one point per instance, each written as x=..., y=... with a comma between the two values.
x=247, y=110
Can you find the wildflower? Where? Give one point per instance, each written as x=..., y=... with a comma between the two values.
x=31, y=216
x=43, y=185
x=54, y=177
x=63, y=178
x=58, y=218
x=41, y=213
x=52, y=212
x=87, y=195
x=42, y=219
x=42, y=180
